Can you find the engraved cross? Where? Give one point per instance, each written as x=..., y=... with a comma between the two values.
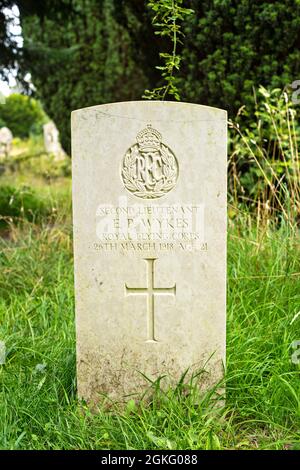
x=150, y=291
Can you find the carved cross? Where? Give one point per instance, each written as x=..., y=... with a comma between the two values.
x=150, y=291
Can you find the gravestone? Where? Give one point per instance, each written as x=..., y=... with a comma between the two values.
x=51, y=140
x=149, y=207
x=6, y=139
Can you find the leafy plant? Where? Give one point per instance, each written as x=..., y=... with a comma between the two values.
x=232, y=47
x=264, y=165
x=22, y=114
x=168, y=14
x=104, y=62
x=17, y=204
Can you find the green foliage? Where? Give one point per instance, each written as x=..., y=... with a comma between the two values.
x=8, y=44
x=30, y=159
x=38, y=378
x=20, y=203
x=85, y=52
x=41, y=165
x=2, y=100
x=231, y=47
x=167, y=17
x=85, y=58
x=264, y=166
x=22, y=114
x=38, y=405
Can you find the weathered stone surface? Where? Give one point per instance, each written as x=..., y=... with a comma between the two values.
x=51, y=141
x=149, y=202
x=6, y=139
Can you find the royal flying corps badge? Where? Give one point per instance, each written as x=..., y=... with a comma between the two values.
x=149, y=167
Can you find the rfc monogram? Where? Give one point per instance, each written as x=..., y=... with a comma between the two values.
x=149, y=167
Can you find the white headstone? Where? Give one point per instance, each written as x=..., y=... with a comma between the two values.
x=51, y=140
x=149, y=198
x=6, y=139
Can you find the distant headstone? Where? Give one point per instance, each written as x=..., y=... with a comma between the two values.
x=149, y=198
x=6, y=139
x=51, y=140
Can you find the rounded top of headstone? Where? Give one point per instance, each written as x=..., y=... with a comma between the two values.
x=181, y=111
x=5, y=134
x=49, y=126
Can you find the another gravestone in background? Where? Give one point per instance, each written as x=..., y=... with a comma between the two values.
x=51, y=141
x=2, y=352
x=149, y=198
x=6, y=139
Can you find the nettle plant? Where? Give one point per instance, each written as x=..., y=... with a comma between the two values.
x=168, y=17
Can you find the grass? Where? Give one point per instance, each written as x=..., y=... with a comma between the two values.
x=38, y=404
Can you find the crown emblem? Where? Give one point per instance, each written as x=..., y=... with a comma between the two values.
x=148, y=139
x=149, y=167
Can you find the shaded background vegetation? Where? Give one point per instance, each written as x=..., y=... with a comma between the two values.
x=87, y=52
x=22, y=115
x=232, y=47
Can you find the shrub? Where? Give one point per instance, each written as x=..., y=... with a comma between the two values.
x=264, y=158
x=232, y=47
x=99, y=52
x=87, y=57
x=20, y=203
x=22, y=114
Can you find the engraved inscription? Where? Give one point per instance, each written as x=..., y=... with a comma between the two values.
x=150, y=291
x=134, y=246
x=149, y=167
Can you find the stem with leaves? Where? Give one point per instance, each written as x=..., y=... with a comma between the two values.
x=168, y=16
